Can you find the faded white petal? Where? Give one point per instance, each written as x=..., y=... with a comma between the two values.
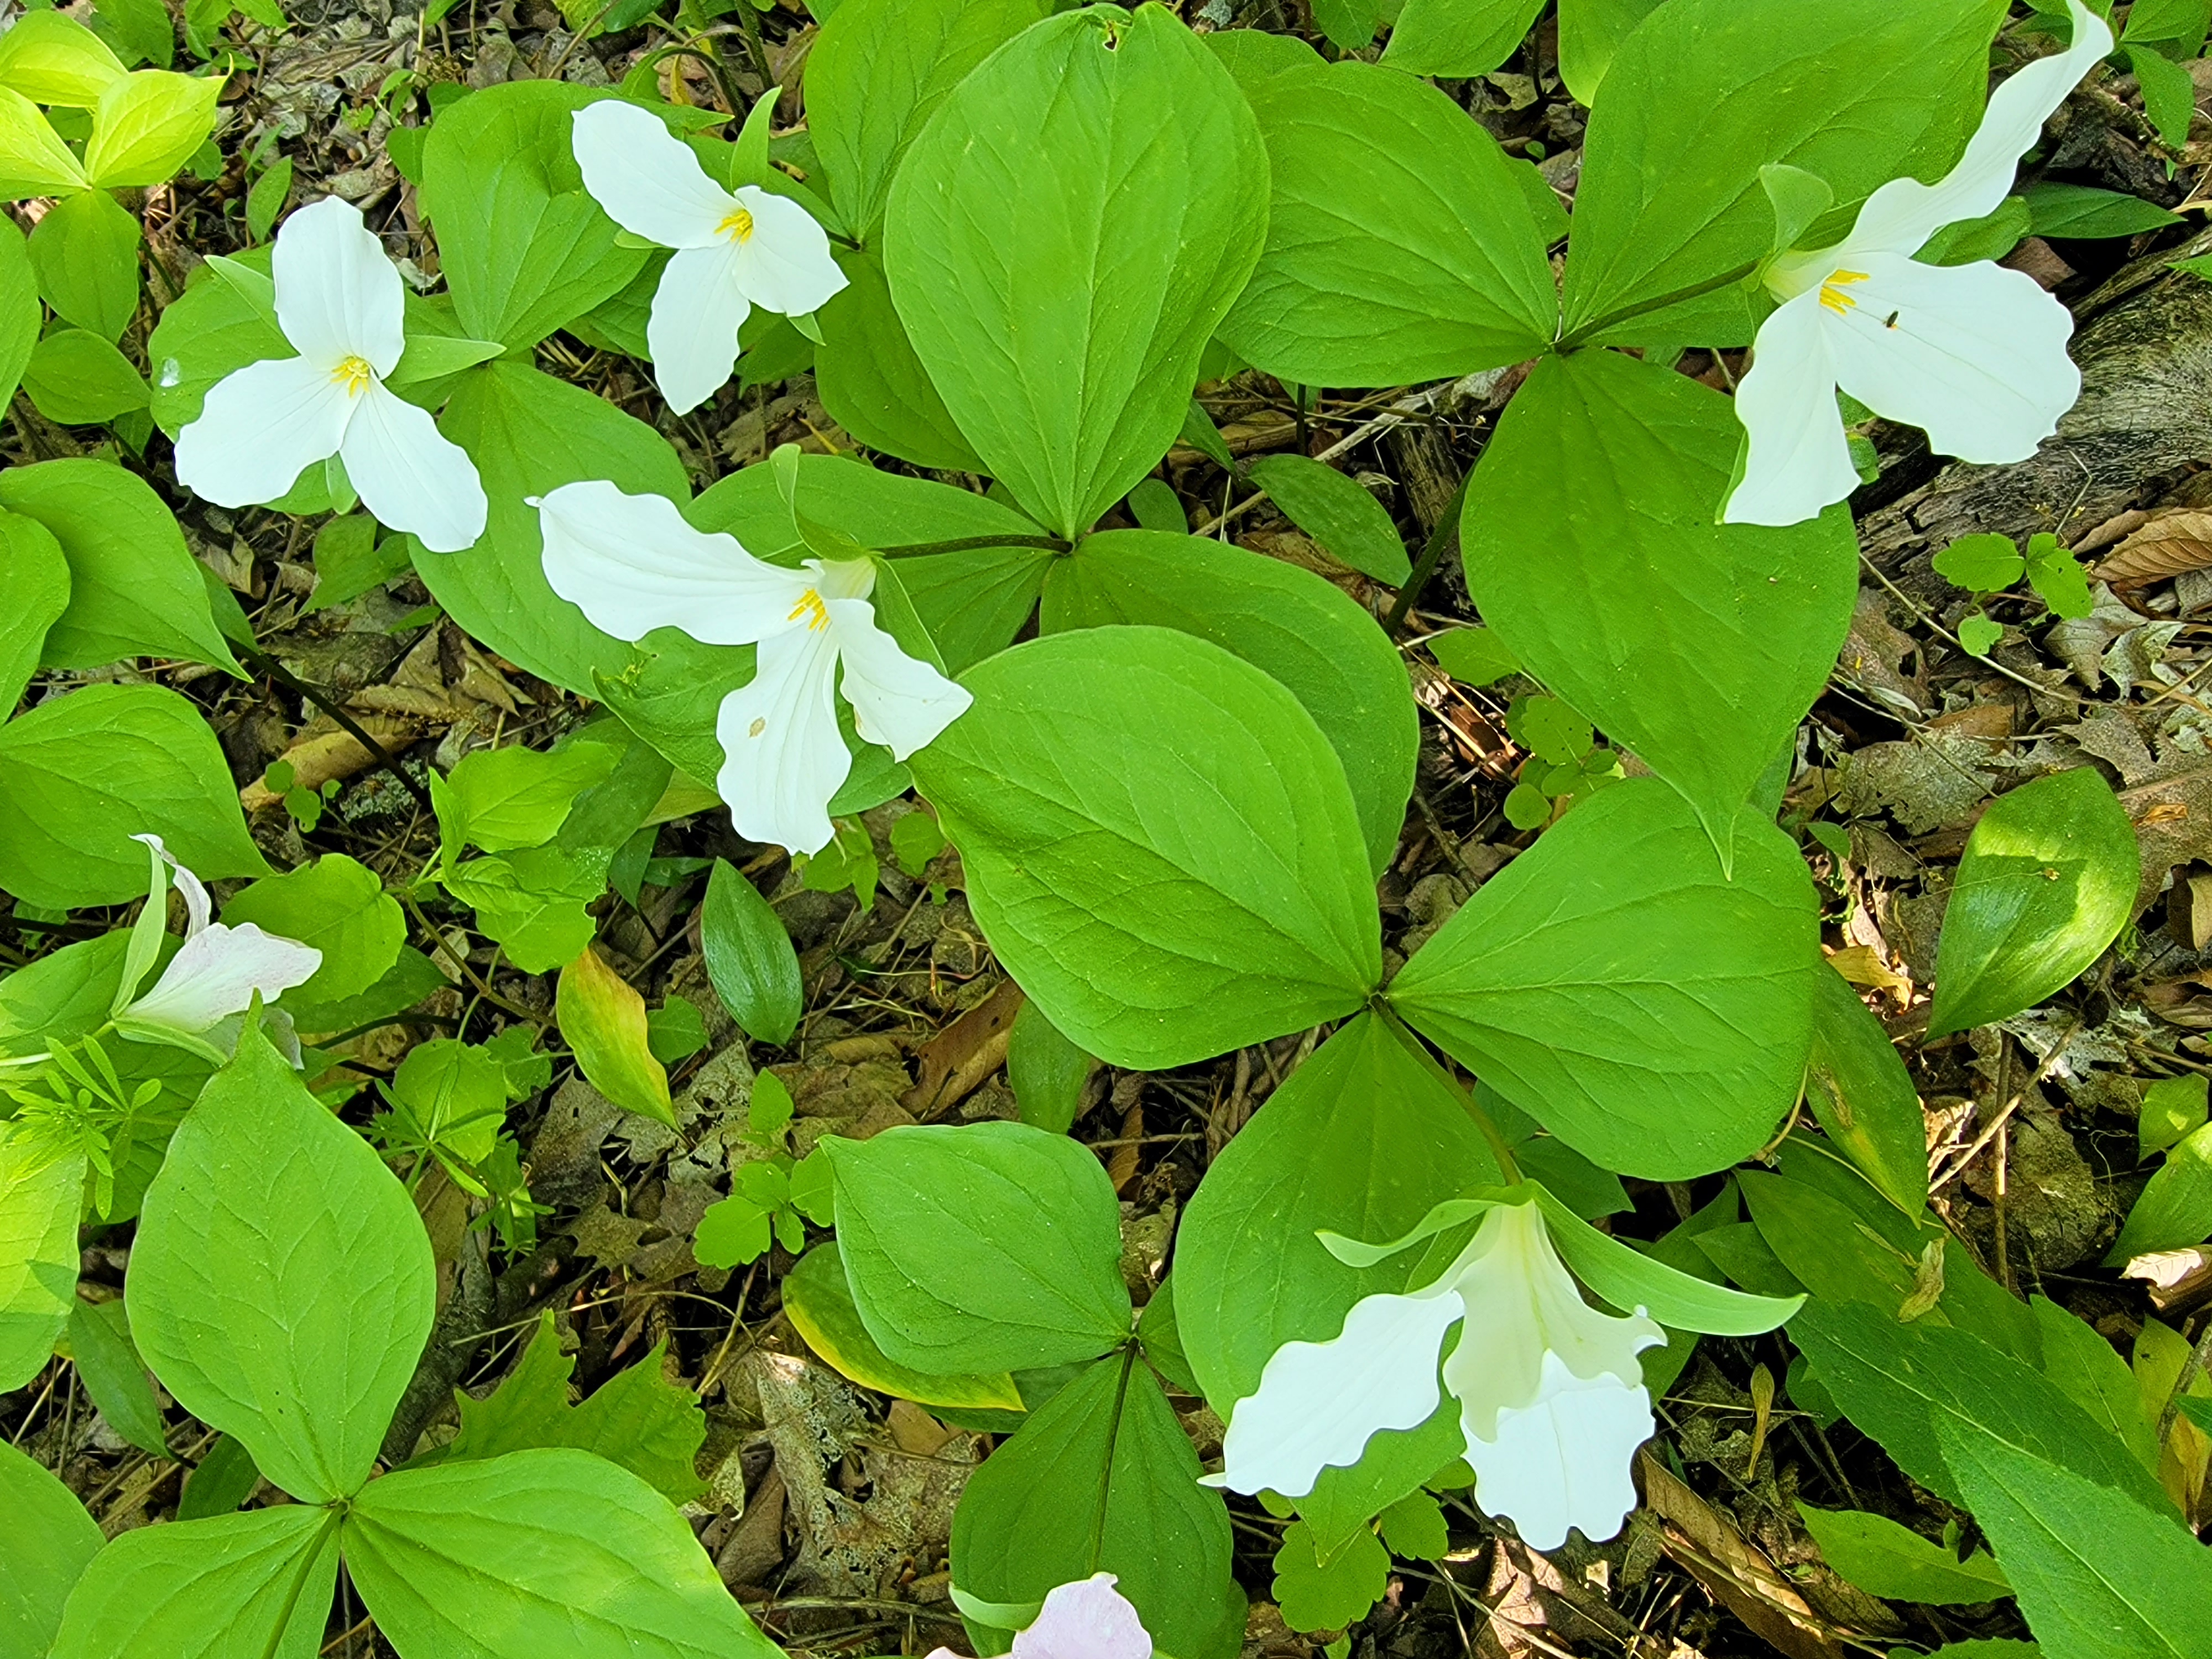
x=692, y=329
x=1800, y=460
x=785, y=265
x=783, y=756
x=217, y=971
x=1973, y=355
x=1523, y=1312
x=1320, y=1403
x=1563, y=1459
x=338, y=294
x=632, y=563
x=409, y=475
x=645, y=178
x=898, y=701
x=1900, y=217
x=1086, y=1619
x=198, y=911
x=260, y=427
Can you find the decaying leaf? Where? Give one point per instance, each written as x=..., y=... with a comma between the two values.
x=2165, y=546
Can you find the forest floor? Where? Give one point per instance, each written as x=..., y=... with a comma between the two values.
x=828, y=1510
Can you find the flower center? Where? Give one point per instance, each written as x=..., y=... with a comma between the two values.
x=1833, y=295
x=353, y=374
x=809, y=607
x=737, y=225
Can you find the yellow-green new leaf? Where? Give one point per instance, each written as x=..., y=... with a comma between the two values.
x=41, y=1189
x=34, y=161
x=603, y=1020
x=146, y=124
x=52, y=59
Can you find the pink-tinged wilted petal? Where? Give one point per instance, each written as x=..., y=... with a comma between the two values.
x=1086, y=1619
x=216, y=972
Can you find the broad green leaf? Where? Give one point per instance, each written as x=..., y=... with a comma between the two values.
x=750, y=959
x=340, y=908
x=2047, y=882
x=539, y=1553
x=529, y=434
x=1348, y=24
x=1363, y=1139
x=1863, y=1097
x=513, y=797
x=85, y=250
x=2083, y=211
x=987, y=1247
x=224, y=1479
x=525, y=248
x=52, y=58
x=1458, y=38
x=1291, y=624
x=1060, y=254
x=134, y=589
x=452, y=1094
x=108, y=1365
x=1046, y=1071
x=603, y=1020
x=1705, y=93
x=818, y=1299
x=1904, y=1383
x=1474, y=656
x=34, y=161
x=41, y=1193
x=1101, y=1478
x=1400, y=246
x=532, y=902
x=34, y=592
x=1591, y=35
x=1336, y=511
x=2091, y=1373
x=1696, y=644
x=81, y=774
x=2097, y=1577
x=411, y=978
x=636, y=1418
x=1613, y=984
x=281, y=1286
x=879, y=72
x=146, y=124
x=45, y=1541
x=1886, y=1560
x=869, y=378
x=1158, y=843
x=2175, y=1209
x=252, y=1586
x=19, y=316
x=76, y=379
x=1318, y=1594
x=225, y=318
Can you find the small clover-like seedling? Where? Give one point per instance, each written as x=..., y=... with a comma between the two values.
x=772, y=1199
x=1987, y=564
x=1565, y=761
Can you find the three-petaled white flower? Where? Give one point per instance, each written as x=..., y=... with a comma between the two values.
x=338, y=301
x=1088, y=1618
x=734, y=249
x=632, y=564
x=214, y=974
x=1551, y=1394
x=1974, y=355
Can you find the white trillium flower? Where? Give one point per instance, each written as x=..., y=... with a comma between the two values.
x=1974, y=355
x=735, y=249
x=631, y=564
x=1086, y=1619
x=338, y=301
x=215, y=973
x=1551, y=1394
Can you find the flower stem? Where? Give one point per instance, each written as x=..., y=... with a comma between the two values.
x=1597, y=326
x=1442, y=539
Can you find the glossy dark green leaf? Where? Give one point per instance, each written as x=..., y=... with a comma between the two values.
x=749, y=958
x=107, y=1364
x=1863, y=1097
x=1336, y=511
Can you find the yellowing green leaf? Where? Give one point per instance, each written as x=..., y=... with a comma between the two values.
x=52, y=59
x=819, y=1303
x=34, y=161
x=604, y=1021
x=145, y=124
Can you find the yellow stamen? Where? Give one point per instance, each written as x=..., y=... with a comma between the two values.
x=355, y=374
x=1833, y=295
x=809, y=607
x=737, y=225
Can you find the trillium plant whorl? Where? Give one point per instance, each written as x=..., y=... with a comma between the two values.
x=1088, y=1618
x=1975, y=354
x=213, y=978
x=1550, y=1390
x=339, y=302
x=734, y=249
x=631, y=564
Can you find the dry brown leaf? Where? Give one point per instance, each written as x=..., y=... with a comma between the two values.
x=2168, y=544
x=317, y=758
x=1736, y=1572
x=1862, y=965
x=950, y=1066
x=1122, y=1167
x=2179, y=1279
